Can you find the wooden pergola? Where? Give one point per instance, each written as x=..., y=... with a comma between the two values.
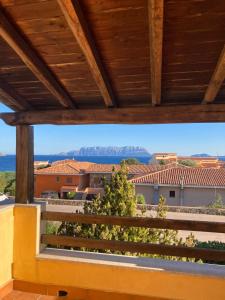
x=112, y=61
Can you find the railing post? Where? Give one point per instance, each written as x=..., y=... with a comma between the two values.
x=24, y=164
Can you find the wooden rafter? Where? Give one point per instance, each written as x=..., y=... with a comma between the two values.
x=17, y=42
x=216, y=79
x=136, y=115
x=79, y=27
x=155, y=11
x=11, y=97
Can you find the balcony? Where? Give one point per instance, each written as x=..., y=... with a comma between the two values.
x=27, y=265
x=105, y=62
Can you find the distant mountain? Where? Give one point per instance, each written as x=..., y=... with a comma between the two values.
x=127, y=151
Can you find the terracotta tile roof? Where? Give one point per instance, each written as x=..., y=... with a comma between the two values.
x=164, y=153
x=207, y=158
x=67, y=167
x=132, y=169
x=189, y=176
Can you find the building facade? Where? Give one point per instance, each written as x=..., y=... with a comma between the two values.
x=183, y=186
x=60, y=178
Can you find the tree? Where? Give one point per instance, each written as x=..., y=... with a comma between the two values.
x=10, y=188
x=119, y=199
x=140, y=199
x=131, y=161
x=5, y=179
x=188, y=163
x=162, y=162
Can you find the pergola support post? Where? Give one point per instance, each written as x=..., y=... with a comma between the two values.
x=24, y=164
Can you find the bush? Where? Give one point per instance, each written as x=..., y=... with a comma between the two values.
x=217, y=202
x=71, y=195
x=119, y=199
x=52, y=228
x=131, y=161
x=7, y=183
x=188, y=163
x=211, y=245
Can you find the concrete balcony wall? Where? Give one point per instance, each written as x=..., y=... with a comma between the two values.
x=6, y=244
x=98, y=276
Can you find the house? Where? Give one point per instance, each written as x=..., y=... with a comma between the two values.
x=164, y=157
x=60, y=178
x=99, y=171
x=84, y=178
x=184, y=186
x=203, y=162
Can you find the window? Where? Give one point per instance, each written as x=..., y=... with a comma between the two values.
x=172, y=194
x=69, y=180
x=57, y=179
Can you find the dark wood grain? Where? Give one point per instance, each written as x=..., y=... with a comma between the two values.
x=134, y=115
x=192, y=34
x=32, y=60
x=11, y=97
x=155, y=10
x=189, y=225
x=24, y=164
x=217, y=79
x=134, y=247
x=78, y=25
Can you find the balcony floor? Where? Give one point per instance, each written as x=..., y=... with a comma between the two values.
x=18, y=295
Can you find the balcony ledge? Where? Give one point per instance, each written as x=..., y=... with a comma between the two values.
x=158, y=265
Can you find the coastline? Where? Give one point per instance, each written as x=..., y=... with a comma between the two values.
x=8, y=162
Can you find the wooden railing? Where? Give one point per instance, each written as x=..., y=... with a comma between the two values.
x=135, y=247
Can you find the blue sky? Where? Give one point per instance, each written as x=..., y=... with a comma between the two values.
x=181, y=138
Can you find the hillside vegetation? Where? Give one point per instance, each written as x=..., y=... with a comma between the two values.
x=7, y=183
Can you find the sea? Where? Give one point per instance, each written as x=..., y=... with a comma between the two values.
x=8, y=162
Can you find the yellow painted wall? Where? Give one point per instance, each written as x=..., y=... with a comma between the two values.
x=6, y=244
x=156, y=284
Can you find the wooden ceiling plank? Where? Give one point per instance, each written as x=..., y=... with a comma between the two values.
x=24, y=50
x=216, y=80
x=197, y=113
x=155, y=12
x=11, y=97
x=80, y=29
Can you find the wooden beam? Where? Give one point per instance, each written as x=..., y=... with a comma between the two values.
x=79, y=27
x=216, y=79
x=197, y=113
x=12, y=98
x=155, y=11
x=24, y=50
x=133, y=247
x=24, y=164
x=146, y=222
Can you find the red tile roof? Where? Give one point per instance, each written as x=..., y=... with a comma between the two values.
x=206, y=158
x=67, y=167
x=132, y=169
x=189, y=176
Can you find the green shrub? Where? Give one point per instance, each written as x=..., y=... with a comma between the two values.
x=211, y=245
x=217, y=202
x=188, y=163
x=119, y=199
x=71, y=195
